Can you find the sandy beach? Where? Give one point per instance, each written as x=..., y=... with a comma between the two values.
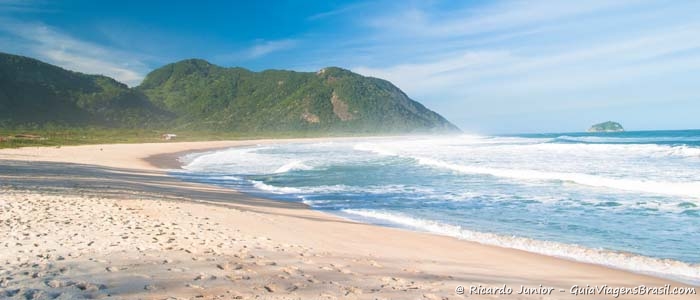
x=106, y=221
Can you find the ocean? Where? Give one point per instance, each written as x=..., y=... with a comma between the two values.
x=628, y=200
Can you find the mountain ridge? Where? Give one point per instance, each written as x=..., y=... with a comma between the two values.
x=196, y=94
x=32, y=91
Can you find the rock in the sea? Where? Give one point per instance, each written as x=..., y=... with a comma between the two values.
x=608, y=126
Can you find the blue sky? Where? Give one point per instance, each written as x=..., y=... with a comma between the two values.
x=488, y=66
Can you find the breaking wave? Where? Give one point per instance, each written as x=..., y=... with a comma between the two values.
x=686, y=189
x=660, y=267
x=291, y=166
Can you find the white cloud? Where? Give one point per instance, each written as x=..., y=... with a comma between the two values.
x=260, y=49
x=414, y=21
x=605, y=63
x=337, y=11
x=56, y=47
x=565, y=62
x=266, y=47
x=521, y=59
x=441, y=73
x=23, y=6
x=92, y=65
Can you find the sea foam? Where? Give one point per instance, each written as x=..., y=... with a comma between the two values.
x=637, y=197
x=677, y=270
x=685, y=189
x=293, y=165
x=275, y=189
x=627, y=140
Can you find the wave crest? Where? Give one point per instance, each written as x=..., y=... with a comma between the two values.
x=684, y=189
x=275, y=189
x=291, y=166
x=374, y=149
x=661, y=267
x=626, y=140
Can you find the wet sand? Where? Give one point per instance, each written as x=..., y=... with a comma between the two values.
x=105, y=221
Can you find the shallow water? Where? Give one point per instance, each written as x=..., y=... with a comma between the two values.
x=627, y=200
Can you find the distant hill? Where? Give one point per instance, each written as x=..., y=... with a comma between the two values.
x=33, y=92
x=608, y=126
x=332, y=99
x=194, y=94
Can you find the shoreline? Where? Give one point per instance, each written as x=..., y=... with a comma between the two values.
x=171, y=161
x=318, y=254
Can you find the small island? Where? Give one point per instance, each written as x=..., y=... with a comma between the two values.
x=608, y=126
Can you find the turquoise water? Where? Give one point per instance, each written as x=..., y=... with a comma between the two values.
x=628, y=200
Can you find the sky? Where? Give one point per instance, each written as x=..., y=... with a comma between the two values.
x=487, y=66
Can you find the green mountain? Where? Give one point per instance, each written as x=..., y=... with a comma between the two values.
x=196, y=95
x=203, y=95
x=608, y=126
x=33, y=92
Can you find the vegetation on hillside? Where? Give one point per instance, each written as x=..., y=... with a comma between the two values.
x=33, y=92
x=196, y=96
x=205, y=96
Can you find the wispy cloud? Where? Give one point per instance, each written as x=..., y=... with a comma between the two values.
x=419, y=21
x=56, y=47
x=260, y=48
x=513, y=58
x=632, y=57
x=338, y=11
x=266, y=47
x=23, y=6
x=466, y=59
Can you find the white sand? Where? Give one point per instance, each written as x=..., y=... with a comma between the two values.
x=100, y=222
